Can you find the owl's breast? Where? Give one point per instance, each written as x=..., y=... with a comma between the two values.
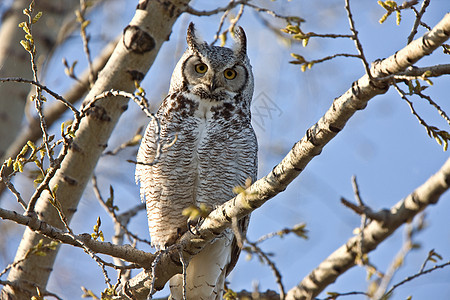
x=226, y=157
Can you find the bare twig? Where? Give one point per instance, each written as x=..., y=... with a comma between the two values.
x=121, y=221
x=335, y=295
x=361, y=258
x=44, y=88
x=222, y=21
x=19, y=287
x=365, y=210
x=130, y=143
x=418, y=73
x=309, y=64
x=155, y=262
x=356, y=191
x=232, y=4
x=441, y=136
x=85, y=38
x=435, y=105
x=421, y=273
x=298, y=229
x=38, y=98
x=254, y=248
x=10, y=186
x=356, y=39
x=395, y=264
x=125, y=252
x=417, y=22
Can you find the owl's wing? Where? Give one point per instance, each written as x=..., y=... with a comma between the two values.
x=146, y=155
x=167, y=181
x=244, y=222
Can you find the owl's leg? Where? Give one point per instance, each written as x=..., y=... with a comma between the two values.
x=193, y=226
x=205, y=274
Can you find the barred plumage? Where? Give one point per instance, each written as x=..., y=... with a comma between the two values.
x=207, y=114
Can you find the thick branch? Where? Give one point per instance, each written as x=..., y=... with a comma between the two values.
x=376, y=232
x=130, y=61
x=311, y=145
x=125, y=252
x=433, y=71
x=415, y=50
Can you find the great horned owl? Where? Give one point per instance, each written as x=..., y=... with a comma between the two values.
x=207, y=147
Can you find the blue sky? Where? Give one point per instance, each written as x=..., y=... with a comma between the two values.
x=383, y=145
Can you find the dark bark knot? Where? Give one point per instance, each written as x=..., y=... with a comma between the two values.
x=334, y=129
x=311, y=136
x=136, y=75
x=70, y=180
x=99, y=113
x=137, y=40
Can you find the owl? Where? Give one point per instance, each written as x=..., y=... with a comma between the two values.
x=207, y=147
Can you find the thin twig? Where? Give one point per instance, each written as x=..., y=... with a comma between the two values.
x=356, y=39
x=312, y=62
x=234, y=21
x=435, y=105
x=409, y=278
x=256, y=249
x=335, y=295
x=85, y=38
x=20, y=287
x=38, y=97
x=132, y=142
x=222, y=21
x=56, y=204
x=46, y=89
x=364, y=222
x=417, y=22
x=364, y=210
x=395, y=264
x=122, y=219
x=356, y=191
x=411, y=106
x=10, y=186
x=298, y=229
x=232, y=4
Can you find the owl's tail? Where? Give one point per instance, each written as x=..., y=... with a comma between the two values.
x=206, y=272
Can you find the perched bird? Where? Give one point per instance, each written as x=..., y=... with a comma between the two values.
x=207, y=147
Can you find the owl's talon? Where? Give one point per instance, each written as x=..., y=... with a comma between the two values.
x=193, y=226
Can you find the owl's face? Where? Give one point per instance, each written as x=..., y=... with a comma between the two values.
x=214, y=73
x=216, y=77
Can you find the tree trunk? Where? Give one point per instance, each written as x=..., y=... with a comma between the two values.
x=133, y=56
x=15, y=61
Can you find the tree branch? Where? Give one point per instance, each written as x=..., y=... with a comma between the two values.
x=141, y=40
x=311, y=145
x=125, y=252
x=375, y=232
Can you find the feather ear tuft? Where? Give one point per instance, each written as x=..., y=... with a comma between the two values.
x=241, y=42
x=193, y=41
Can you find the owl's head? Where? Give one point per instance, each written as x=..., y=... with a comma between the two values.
x=214, y=73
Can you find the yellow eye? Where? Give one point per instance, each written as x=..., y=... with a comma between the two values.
x=229, y=73
x=201, y=68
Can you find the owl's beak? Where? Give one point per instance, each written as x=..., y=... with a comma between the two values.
x=211, y=83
